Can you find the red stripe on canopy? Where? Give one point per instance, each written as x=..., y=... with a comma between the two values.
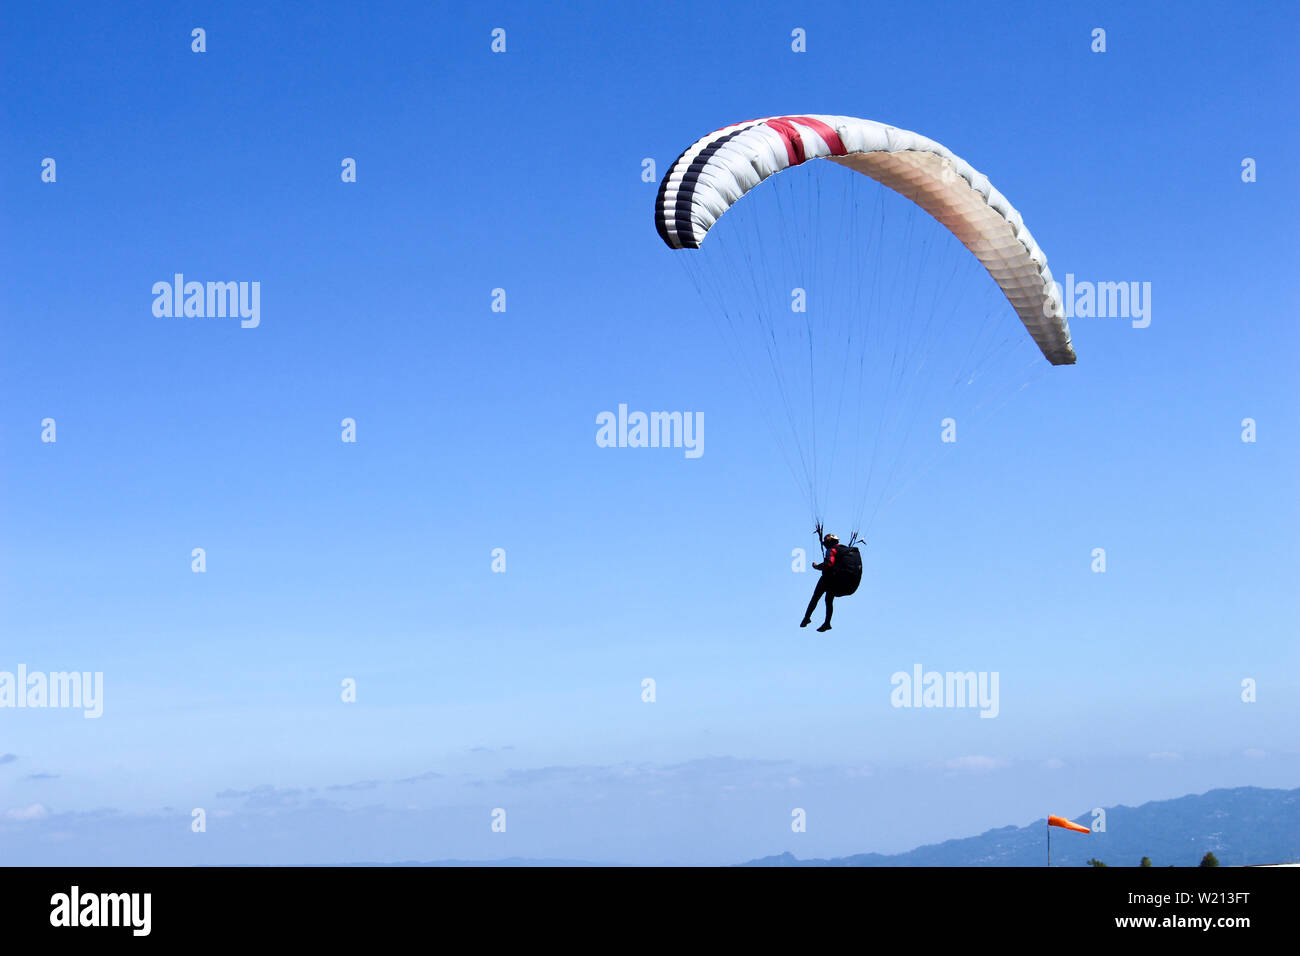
x=793, y=141
x=828, y=135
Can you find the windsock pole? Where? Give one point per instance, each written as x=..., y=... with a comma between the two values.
x=1055, y=821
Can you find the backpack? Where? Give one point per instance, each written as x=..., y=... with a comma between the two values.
x=846, y=572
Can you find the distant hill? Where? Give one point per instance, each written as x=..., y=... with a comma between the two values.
x=1246, y=825
x=510, y=861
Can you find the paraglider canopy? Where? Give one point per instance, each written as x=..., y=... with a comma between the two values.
x=708, y=178
x=856, y=317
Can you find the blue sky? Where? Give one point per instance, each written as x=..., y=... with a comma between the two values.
x=522, y=690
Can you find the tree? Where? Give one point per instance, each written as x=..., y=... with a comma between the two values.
x=1095, y=862
x=1146, y=861
x=1209, y=860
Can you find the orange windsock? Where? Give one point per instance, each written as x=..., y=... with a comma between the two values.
x=1055, y=821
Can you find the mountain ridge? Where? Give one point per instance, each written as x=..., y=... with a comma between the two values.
x=1240, y=825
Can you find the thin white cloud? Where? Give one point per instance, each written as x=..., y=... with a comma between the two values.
x=421, y=777
x=35, y=812
x=975, y=763
x=1165, y=756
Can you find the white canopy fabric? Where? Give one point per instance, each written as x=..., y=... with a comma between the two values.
x=716, y=171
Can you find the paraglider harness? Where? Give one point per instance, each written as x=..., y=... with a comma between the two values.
x=845, y=573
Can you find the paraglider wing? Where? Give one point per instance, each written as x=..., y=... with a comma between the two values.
x=716, y=171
